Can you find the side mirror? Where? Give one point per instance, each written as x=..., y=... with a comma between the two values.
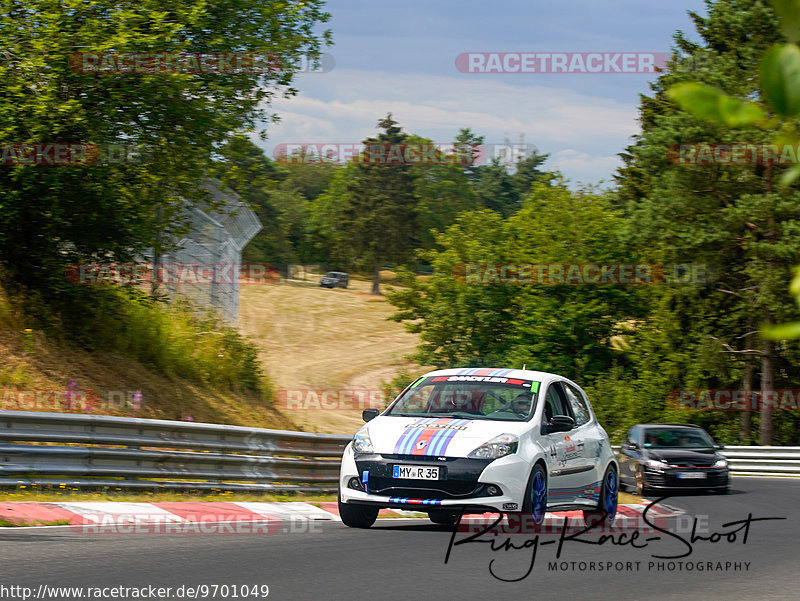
x=719, y=446
x=631, y=446
x=370, y=413
x=560, y=423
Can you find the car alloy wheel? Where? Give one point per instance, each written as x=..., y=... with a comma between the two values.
x=608, y=501
x=536, y=495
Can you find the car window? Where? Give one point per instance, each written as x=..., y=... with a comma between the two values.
x=578, y=405
x=677, y=437
x=469, y=397
x=554, y=401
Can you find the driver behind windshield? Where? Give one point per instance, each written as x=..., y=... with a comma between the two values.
x=521, y=405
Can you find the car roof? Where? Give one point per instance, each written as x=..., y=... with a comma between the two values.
x=525, y=374
x=670, y=425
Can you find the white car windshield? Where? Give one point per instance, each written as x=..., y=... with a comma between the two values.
x=469, y=397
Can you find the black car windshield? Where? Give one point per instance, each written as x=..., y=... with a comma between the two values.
x=468, y=397
x=676, y=437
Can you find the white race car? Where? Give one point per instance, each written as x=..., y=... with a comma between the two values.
x=477, y=440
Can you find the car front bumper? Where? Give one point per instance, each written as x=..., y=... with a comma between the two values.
x=477, y=484
x=668, y=479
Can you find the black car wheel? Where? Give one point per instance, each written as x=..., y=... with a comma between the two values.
x=445, y=518
x=357, y=516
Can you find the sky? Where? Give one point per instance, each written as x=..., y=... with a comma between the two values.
x=400, y=57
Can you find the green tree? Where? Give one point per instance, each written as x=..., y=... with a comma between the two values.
x=53, y=216
x=369, y=216
x=727, y=216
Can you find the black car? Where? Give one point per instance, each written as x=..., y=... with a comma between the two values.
x=671, y=456
x=334, y=279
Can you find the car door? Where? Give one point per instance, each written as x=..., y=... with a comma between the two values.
x=566, y=480
x=588, y=440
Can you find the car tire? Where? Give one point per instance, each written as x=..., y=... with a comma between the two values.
x=641, y=482
x=445, y=518
x=608, y=502
x=357, y=516
x=535, y=502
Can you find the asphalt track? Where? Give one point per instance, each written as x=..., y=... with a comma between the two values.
x=404, y=559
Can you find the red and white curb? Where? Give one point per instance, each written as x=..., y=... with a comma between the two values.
x=272, y=516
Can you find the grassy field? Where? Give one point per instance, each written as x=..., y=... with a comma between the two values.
x=316, y=339
x=37, y=365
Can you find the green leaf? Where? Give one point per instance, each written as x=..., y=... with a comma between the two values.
x=789, y=12
x=784, y=331
x=794, y=288
x=780, y=79
x=789, y=176
x=712, y=105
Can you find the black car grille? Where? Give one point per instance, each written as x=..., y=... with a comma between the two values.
x=458, y=476
x=426, y=489
x=669, y=479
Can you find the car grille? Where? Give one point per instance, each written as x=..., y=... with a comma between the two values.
x=670, y=479
x=426, y=489
x=459, y=476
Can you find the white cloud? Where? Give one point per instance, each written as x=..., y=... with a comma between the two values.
x=578, y=130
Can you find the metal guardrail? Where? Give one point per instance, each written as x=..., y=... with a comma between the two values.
x=65, y=450
x=94, y=451
x=760, y=461
x=763, y=461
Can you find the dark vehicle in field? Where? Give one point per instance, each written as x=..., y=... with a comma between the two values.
x=671, y=456
x=334, y=279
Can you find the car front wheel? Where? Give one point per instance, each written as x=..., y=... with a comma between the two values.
x=357, y=516
x=535, y=502
x=445, y=518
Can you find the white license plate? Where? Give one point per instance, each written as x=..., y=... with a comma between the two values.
x=416, y=472
x=691, y=475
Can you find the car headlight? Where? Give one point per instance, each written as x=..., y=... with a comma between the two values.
x=721, y=463
x=656, y=464
x=361, y=442
x=499, y=446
